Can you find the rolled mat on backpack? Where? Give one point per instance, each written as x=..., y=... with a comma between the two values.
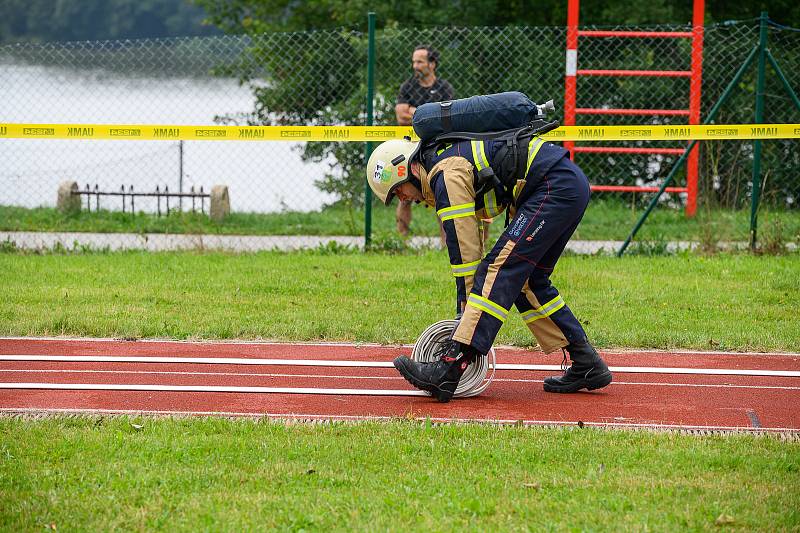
x=482, y=113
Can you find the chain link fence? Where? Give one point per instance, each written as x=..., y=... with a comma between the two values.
x=319, y=78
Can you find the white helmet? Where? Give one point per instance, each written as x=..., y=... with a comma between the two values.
x=390, y=166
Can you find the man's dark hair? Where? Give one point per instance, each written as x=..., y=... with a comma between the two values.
x=433, y=55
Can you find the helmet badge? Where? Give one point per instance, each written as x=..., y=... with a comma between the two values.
x=378, y=177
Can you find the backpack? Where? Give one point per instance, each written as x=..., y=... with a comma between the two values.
x=510, y=117
x=477, y=114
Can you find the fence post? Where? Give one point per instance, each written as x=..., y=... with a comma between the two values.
x=756, y=192
x=370, y=113
x=786, y=85
x=180, y=174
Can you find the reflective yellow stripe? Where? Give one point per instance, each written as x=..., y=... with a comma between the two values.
x=479, y=155
x=490, y=204
x=488, y=306
x=465, y=269
x=544, y=311
x=456, y=211
x=533, y=149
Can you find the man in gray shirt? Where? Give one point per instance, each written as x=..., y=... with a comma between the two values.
x=421, y=88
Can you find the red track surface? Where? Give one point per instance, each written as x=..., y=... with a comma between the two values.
x=633, y=399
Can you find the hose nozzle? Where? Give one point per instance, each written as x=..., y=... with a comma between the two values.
x=545, y=108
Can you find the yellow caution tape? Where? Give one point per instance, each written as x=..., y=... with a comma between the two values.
x=675, y=133
x=151, y=132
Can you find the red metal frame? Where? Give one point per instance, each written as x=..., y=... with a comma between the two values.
x=645, y=34
x=633, y=188
x=695, y=87
x=570, y=77
x=695, y=93
x=626, y=150
x=654, y=73
x=611, y=111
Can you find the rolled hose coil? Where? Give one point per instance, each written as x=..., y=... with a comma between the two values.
x=475, y=380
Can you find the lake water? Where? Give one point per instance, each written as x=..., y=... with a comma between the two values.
x=261, y=176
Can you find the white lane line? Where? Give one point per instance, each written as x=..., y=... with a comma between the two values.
x=700, y=385
x=378, y=364
x=211, y=388
x=359, y=418
x=196, y=360
x=391, y=378
x=671, y=370
x=178, y=373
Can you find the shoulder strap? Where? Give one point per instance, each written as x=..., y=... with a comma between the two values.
x=445, y=111
x=537, y=127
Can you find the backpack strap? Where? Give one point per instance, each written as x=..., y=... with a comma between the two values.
x=511, y=157
x=537, y=127
x=444, y=107
x=456, y=136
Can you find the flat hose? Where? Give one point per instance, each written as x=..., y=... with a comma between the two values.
x=475, y=380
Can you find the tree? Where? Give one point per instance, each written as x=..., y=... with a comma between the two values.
x=83, y=20
x=258, y=16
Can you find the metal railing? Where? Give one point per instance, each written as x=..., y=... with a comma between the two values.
x=130, y=194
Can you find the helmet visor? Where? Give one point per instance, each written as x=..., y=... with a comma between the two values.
x=391, y=194
x=414, y=156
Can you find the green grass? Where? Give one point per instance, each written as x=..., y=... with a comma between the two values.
x=333, y=221
x=604, y=220
x=610, y=220
x=729, y=302
x=102, y=474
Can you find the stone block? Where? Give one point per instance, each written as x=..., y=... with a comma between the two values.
x=68, y=202
x=220, y=203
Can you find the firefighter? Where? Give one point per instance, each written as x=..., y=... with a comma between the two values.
x=549, y=196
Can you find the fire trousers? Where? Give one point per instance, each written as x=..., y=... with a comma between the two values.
x=517, y=270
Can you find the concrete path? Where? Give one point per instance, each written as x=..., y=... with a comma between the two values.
x=156, y=242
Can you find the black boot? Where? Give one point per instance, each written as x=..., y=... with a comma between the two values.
x=439, y=377
x=588, y=371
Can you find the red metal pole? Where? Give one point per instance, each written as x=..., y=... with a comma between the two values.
x=570, y=79
x=695, y=93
